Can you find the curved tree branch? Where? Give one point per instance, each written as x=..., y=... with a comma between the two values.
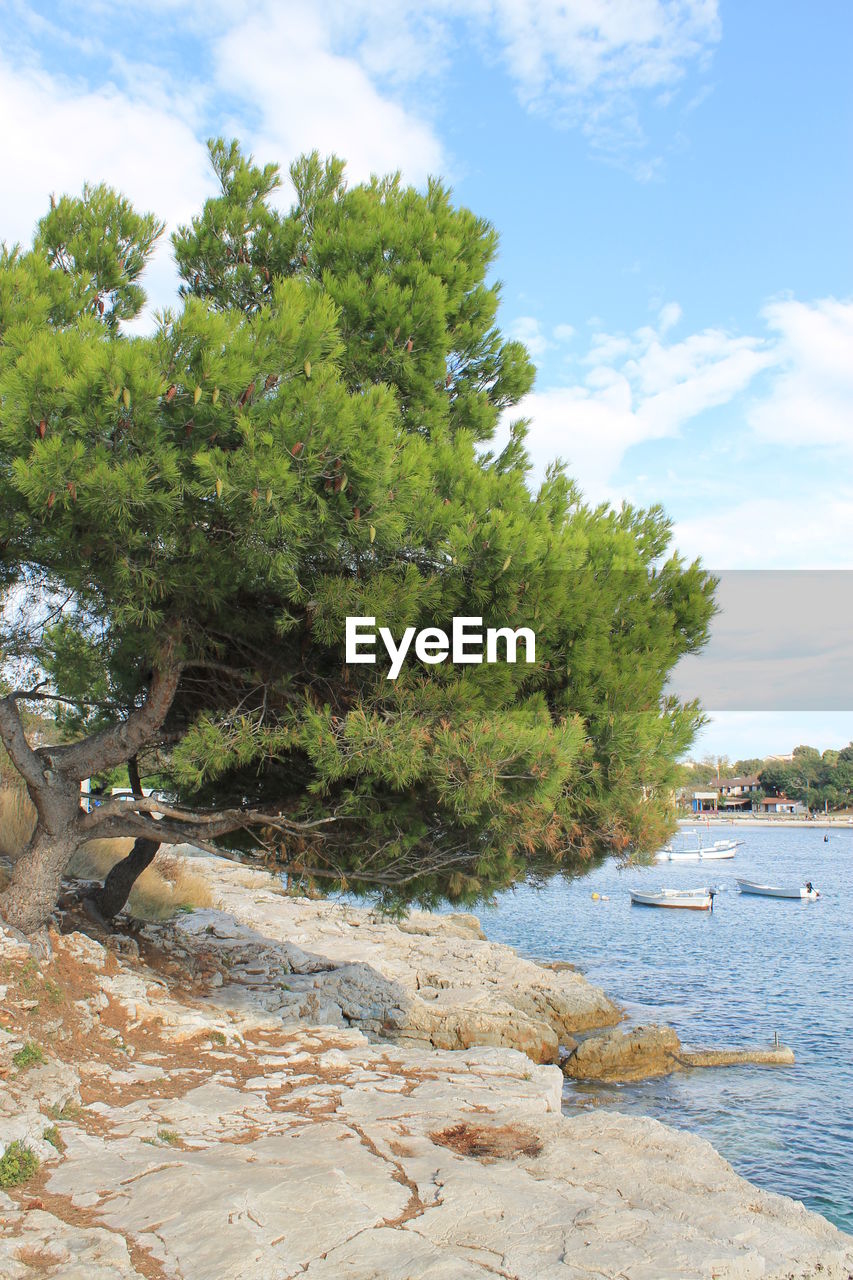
x=213, y=822
x=23, y=757
x=117, y=744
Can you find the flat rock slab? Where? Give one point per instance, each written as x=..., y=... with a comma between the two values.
x=429, y=979
x=370, y=1192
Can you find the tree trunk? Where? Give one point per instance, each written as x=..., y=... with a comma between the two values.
x=53, y=775
x=110, y=899
x=116, y=889
x=33, y=889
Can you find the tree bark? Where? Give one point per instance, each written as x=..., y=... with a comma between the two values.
x=113, y=896
x=33, y=889
x=117, y=744
x=53, y=776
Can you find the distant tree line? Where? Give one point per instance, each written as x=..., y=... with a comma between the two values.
x=816, y=780
x=714, y=769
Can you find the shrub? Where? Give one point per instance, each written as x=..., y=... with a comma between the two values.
x=17, y=1164
x=31, y=1055
x=54, y=1137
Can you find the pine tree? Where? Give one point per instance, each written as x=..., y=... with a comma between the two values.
x=188, y=518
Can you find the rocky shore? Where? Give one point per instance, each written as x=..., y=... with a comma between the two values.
x=277, y=1088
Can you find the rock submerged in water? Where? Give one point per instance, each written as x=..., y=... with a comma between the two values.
x=638, y=1053
x=633, y=1054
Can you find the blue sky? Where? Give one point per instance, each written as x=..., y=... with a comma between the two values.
x=672, y=184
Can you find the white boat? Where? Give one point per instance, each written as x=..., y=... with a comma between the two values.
x=698, y=838
x=715, y=852
x=696, y=850
x=687, y=899
x=721, y=849
x=806, y=891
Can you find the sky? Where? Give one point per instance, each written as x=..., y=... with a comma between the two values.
x=672, y=184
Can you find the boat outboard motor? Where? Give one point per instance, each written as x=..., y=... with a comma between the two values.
x=712, y=893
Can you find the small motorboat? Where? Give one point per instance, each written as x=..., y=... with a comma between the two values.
x=807, y=891
x=715, y=852
x=719, y=849
x=707, y=854
x=687, y=899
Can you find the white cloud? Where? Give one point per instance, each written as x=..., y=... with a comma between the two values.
x=639, y=387
x=812, y=530
x=673, y=384
x=589, y=431
x=328, y=69
x=336, y=75
x=566, y=48
x=590, y=62
x=143, y=131
x=669, y=316
x=64, y=136
x=528, y=330
x=811, y=402
x=643, y=386
x=304, y=94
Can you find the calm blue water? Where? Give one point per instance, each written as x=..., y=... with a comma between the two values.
x=754, y=967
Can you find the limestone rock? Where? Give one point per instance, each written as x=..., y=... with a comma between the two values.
x=633, y=1054
x=219, y=1138
x=429, y=979
x=641, y=1052
x=39, y=1244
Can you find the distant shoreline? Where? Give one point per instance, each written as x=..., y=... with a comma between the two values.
x=844, y=821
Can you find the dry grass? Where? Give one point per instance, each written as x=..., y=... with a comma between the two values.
x=39, y=1258
x=490, y=1142
x=17, y=819
x=168, y=886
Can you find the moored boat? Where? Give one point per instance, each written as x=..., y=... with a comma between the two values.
x=720, y=849
x=716, y=852
x=807, y=891
x=686, y=899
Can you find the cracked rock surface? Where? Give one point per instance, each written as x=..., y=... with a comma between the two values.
x=430, y=980
x=192, y=1126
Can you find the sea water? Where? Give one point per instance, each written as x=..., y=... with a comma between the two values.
x=754, y=968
